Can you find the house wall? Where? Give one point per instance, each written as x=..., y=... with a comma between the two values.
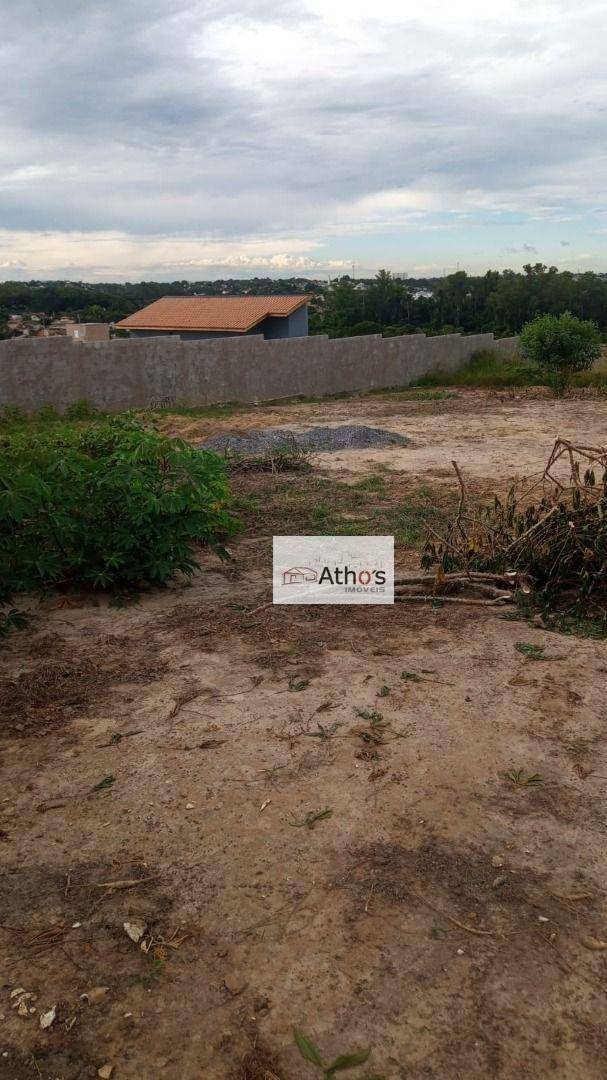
x=126, y=374
x=88, y=331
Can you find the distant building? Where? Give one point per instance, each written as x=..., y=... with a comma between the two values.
x=195, y=317
x=88, y=331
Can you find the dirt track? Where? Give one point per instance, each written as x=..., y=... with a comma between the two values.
x=438, y=915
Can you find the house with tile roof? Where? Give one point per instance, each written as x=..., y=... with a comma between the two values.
x=195, y=317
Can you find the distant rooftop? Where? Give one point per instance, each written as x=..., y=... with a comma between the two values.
x=235, y=314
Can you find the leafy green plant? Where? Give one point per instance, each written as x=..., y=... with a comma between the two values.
x=310, y=1053
x=109, y=505
x=383, y=691
x=561, y=345
x=521, y=779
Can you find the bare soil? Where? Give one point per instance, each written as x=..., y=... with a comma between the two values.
x=441, y=914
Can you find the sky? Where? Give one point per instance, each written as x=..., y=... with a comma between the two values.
x=197, y=139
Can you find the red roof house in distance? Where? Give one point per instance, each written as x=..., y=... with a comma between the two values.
x=195, y=317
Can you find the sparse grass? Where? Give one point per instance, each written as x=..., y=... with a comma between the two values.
x=411, y=676
x=578, y=626
x=520, y=778
x=312, y=817
x=197, y=412
x=534, y=652
x=312, y=504
x=322, y=732
x=373, y=482
x=488, y=368
x=310, y=1052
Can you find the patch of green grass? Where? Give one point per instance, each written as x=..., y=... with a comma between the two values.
x=488, y=368
x=373, y=482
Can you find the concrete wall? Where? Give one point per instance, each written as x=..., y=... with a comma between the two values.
x=125, y=373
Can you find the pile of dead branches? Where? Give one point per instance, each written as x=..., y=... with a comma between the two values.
x=549, y=536
x=283, y=459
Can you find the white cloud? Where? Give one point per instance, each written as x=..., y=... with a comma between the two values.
x=242, y=130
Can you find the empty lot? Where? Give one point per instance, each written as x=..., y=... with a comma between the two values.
x=160, y=761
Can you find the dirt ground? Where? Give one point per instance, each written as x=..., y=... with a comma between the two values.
x=159, y=761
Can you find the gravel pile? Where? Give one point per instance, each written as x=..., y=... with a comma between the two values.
x=271, y=440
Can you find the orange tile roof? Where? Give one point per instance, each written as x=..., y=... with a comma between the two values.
x=232, y=313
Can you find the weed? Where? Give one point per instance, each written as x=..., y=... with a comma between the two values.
x=411, y=676
x=310, y=1053
x=437, y=932
x=383, y=691
x=534, y=652
x=295, y=685
x=375, y=718
x=520, y=779
x=579, y=626
x=311, y=818
x=105, y=783
x=323, y=732
x=371, y=483
x=154, y=971
x=272, y=771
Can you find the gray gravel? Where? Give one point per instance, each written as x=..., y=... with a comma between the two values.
x=269, y=440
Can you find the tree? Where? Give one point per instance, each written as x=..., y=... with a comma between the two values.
x=561, y=345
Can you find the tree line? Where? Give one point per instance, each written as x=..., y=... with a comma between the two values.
x=498, y=301
x=501, y=302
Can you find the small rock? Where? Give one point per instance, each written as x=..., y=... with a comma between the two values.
x=497, y=861
x=189, y=806
x=47, y=1018
x=542, y=918
x=460, y=952
x=105, y=1072
x=134, y=931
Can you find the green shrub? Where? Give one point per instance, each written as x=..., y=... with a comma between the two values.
x=109, y=505
x=561, y=345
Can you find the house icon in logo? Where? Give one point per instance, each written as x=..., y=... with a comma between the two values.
x=298, y=574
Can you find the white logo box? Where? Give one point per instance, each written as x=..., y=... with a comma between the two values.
x=333, y=570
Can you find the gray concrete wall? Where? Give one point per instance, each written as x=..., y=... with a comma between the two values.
x=155, y=371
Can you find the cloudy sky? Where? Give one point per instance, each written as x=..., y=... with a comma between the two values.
x=177, y=139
